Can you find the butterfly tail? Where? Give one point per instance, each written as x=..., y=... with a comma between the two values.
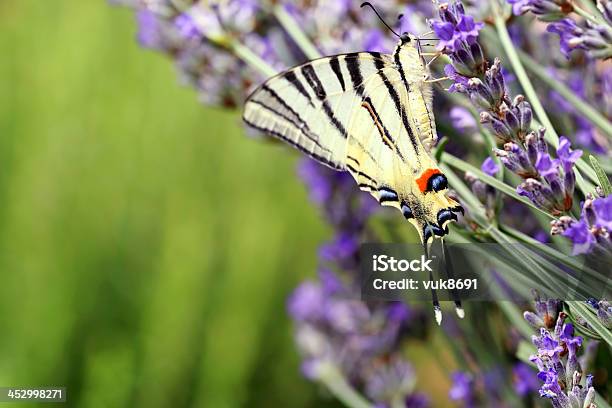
x=434, y=293
x=448, y=266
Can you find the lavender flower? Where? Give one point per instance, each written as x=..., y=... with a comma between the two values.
x=462, y=119
x=592, y=231
x=525, y=380
x=557, y=359
x=333, y=327
x=484, y=192
x=462, y=389
x=335, y=330
x=546, y=312
x=594, y=38
x=390, y=382
x=154, y=32
x=546, y=10
x=548, y=183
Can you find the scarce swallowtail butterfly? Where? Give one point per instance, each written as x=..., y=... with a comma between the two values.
x=370, y=114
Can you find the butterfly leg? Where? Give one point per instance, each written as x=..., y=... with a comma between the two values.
x=427, y=33
x=436, y=55
x=433, y=81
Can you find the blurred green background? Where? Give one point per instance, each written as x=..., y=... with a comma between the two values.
x=146, y=245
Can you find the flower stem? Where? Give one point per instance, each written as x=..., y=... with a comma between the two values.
x=582, y=309
x=516, y=318
x=583, y=108
x=292, y=28
x=556, y=254
x=252, y=59
x=586, y=15
x=337, y=385
x=551, y=135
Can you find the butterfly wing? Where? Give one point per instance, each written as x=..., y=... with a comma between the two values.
x=354, y=112
x=389, y=125
x=310, y=106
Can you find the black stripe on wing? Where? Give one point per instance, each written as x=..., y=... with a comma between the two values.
x=315, y=83
x=280, y=136
x=398, y=105
x=354, y=68
x=334, y=63
x=302, y=129
x=294, y=80
x=361, y=173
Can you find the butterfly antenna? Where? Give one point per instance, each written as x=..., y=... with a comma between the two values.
x=434, y=294
x=450, y=274
x=367, y=3
x=420, y=38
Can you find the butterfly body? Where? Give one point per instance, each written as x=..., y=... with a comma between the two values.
x=370, y=114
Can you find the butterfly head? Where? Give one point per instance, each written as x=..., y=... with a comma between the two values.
x=407, y=38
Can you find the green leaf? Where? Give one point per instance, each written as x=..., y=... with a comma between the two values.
x=524, y=351
x=440, y=148
x=604, y=182
x=581, y=106
x=583, y=310
x=516, y=318
x=600, y=401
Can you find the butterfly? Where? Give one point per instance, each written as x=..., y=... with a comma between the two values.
x=370, y=114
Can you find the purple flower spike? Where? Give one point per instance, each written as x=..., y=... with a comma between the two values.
x=568, y=157
x=603, y=212
x=458, y=35
x=489, y=167
x=520, y=6
x=468, y=30
x=580, y=235
x=592, y=231
x=392, y=381
x=187, y=27
x=307, y=302
x=149, y=27
x=595, y=39
x=525, y=379
x=545, y=165
x=445, y=32
x=560, y=371
x=568, y=32
x=462, y=388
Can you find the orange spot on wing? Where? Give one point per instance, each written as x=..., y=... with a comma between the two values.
x=424, y=178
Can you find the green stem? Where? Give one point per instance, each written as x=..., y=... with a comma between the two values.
x=592, y=7
x=559, y=256
x=583, y=108
x=588, y=16
x=583, y=310
x=293, y=29
x=516, y=318
x=252, y=59
x=337, y=385
x=551, y=135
